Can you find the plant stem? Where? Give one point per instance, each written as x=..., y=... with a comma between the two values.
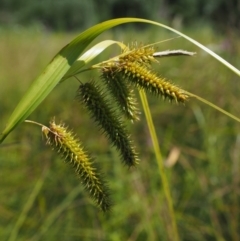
x=163, y=176
x=214, y=106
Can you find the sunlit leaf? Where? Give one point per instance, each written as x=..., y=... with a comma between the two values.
x=63, y=61
x=89, y=55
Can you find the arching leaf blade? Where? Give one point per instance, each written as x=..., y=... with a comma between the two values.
x=54, y=72
x=89, y=55
x=62, y=62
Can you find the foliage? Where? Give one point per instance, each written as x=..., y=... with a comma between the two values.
x=74, y=14
x=148, y=207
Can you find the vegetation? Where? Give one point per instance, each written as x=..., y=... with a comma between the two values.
x=204, y=185
x=72, y=14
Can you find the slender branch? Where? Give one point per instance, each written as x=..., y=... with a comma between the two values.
x=34, y=122
x=214, y=106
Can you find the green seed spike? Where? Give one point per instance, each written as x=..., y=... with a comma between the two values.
x=122, y=93
x=64, y=142
x=144, y=78
x=139, y=54
x=93, y=98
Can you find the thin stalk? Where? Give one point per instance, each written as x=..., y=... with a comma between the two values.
x=214, y=106
x=163, y=176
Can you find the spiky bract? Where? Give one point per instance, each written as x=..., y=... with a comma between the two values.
x=93, y=98
x=64, y=142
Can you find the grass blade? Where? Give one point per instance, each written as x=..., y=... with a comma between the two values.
x=89, y=56
x=62, y=62
x=55, y=71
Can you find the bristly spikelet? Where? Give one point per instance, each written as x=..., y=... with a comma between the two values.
x=122, y=93
x=144, y=78
x=92, y=97
x=134, y=66
x=140, y=54
x=64, y=142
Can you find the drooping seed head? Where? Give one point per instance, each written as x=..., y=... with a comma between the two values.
x=107, y=118
x=144, y=78
x=134, y=67
x=123, y=93
x=71, y=150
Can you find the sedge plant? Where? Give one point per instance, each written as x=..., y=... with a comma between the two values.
x=111, y=101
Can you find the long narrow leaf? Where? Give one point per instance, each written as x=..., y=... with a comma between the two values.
x=89, y=55
x=62, y=62
x=54, y=72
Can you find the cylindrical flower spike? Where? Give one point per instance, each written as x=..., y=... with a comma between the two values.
x=134, y=66
x=64, y=142
x=90, y=95
x=123, y=93
x=144, y=78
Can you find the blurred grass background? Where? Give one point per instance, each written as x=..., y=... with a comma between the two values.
x=41, y=190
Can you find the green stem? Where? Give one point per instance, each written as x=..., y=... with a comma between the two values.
x=163, y=176
x=214, y=106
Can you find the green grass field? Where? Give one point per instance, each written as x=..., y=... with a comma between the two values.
x=41, y=197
